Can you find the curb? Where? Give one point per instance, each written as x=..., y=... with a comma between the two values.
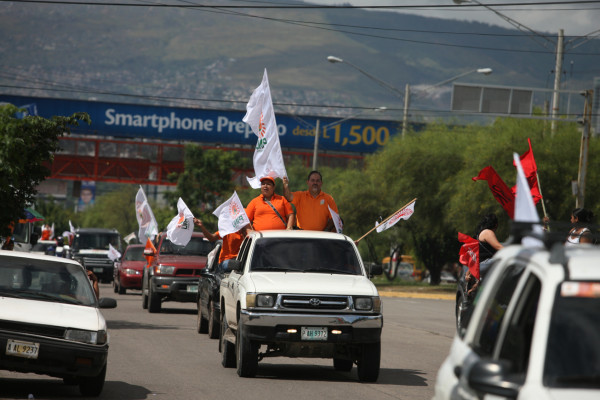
x=413, y=295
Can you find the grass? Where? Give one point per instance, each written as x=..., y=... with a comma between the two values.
x=399, y=285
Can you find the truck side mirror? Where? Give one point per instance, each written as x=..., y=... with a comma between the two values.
x=376, y=269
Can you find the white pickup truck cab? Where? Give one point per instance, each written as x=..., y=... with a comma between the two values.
x=300, y=294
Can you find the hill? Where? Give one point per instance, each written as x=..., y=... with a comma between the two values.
x=216, y=56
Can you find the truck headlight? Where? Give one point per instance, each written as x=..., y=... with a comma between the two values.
x=92, y=337
x=260, y=300
x=164, y=269
x=367, y=304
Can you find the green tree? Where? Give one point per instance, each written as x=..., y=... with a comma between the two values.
x=26, y=146
x=113, y=210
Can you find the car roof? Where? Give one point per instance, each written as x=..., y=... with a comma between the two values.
x=95, y=230
x=300, y=234
x=37, y=256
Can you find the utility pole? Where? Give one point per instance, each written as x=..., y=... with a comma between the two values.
x=557, y=78
x=405, y=114
x=316, y=147
x=583, y=153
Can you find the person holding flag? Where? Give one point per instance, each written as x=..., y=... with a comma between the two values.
x=269, y=210
x=312, y=205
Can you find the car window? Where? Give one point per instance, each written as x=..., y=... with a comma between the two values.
x=243, y=253
x=85, y=241
x=197, y=246
x=305, y=255
x=573, y=353
x=493, y=314
x=134, y=254
x=516, y=344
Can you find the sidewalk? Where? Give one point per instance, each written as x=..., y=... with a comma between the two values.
x=416, y=295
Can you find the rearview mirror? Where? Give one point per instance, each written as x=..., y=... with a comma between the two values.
x=490, y=377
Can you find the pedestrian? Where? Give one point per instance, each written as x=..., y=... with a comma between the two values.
x=46, y=232
x=580, y=233
x=270, y=210
x=312, y=205
x=231, y=243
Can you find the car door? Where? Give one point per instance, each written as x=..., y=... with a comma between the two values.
x=229, y=291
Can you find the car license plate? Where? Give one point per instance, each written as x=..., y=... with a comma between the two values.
x=192, y=288
x=99, y=270
x=312, y=333
x=22, y=349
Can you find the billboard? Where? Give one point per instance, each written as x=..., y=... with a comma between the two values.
x=121, y=120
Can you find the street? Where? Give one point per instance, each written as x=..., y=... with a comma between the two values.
x=161, y=356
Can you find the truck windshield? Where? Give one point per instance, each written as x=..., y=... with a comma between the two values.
x=197, y=246
x=305, y=255
x=85, y=241
x=573, y=354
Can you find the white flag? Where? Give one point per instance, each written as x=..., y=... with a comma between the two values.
x=232, y=216
x=268, y=159
x=405, y=213
x=181, y=227
x=337, y=221
x=113, y=253
x=129, y=237
x=525, y=210
x=52, y=231
x=71, y=227
x=145, y=216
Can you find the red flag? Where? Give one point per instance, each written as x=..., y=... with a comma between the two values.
x=530, y=170
x=501, y=192
x=469, y=253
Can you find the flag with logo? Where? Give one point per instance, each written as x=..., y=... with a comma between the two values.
x=145, y=216
x=500, y=190
x=337, y=221
x=232, y=216
x=113, y=253
x=181, y=227
x=404, y=213
x=268, y=158
x=469, y=253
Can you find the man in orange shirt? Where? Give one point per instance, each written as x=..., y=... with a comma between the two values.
x=312, y=205
x=231, y=243
x=269, y=210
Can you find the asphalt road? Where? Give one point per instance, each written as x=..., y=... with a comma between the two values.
x=161, y=356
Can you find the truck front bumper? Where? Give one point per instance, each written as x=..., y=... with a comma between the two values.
x=182, y=289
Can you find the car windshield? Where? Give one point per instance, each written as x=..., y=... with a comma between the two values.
x=45, y=280
x=197, y=246
x=86, y=241
x=305, y=255
x=573, y=354
x=135, y=254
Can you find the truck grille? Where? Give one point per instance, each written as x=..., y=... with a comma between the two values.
x=97, y=261
x=315, y=302
x=42, y=330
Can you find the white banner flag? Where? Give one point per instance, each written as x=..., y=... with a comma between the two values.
x=232, y=216
x=405, y=213
x=113, y=253
x=145, y=217
x=337, y=221
x=71, y=227
x=181, y=227
x=268, y=159
x=525, y=210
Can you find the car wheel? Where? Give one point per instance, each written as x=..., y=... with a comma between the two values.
x=368, y=362
x=201, y=322
x=144, y=295
x=122, y=290
x=213, y=322
x=342, y=365
x=227, y=348
x=115, y=288
x=246, y=352
x=153, y=299
x=92, y=386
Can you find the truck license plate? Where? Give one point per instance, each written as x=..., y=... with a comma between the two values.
x=22, y=349
x=192, y=288
x=313, y=333
x=98, y=270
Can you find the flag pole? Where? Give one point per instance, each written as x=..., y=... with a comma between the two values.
x=385, y=220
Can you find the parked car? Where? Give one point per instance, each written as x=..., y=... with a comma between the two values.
x=174, y=271
x=129, y=269
x=90, y=249
x=534, y=329
x=50, y=322
x=209, y=304
x=300, y=294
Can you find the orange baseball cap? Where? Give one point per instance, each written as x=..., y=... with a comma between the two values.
x=269, y=178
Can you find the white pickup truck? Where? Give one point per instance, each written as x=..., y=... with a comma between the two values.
x=300, y=294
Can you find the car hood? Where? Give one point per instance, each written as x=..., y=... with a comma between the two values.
x=139, y=265
x=84, y=252
x=182, y=261
x=51, y=313
x=312, y=283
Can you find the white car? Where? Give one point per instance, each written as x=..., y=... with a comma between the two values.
x=534, y=332
x=50, y=322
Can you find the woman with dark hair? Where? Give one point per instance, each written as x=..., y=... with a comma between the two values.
x=486, y=234
x=580, y=233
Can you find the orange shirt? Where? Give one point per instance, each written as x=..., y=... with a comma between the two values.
x=263, y=217
x=312, y=213
x=231, y=245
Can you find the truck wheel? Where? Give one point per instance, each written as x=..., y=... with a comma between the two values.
x=92, y=386
x=115, y=288
x=201, y=322
x=246, y=353
x=144, y=295
x=153, y=299
x=213, y=322
x=368, y=362
x=227, y=349
x=122, y=290
x=342, y=365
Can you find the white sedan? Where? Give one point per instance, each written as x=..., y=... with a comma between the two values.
x=50, y=322
x=534, y=332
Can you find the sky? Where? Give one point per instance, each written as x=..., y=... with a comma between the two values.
x=574, y=19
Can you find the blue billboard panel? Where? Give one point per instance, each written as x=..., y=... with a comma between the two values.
x=212, y=126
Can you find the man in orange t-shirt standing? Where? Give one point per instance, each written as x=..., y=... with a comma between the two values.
x=312, y=205
x=269, y=210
